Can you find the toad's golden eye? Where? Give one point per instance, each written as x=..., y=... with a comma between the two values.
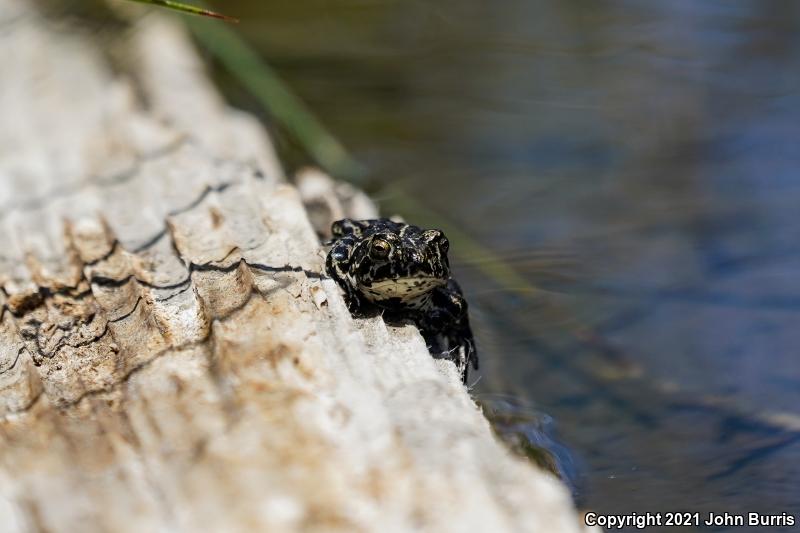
x=379, y=249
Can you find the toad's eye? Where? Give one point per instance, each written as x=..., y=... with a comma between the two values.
x=444, y=244
x=379, y=249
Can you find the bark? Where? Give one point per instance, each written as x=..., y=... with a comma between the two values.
x=172, y=356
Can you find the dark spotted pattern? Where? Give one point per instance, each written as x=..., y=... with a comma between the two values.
x=403, y=270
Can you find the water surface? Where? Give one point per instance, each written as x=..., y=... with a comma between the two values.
x=637, y=164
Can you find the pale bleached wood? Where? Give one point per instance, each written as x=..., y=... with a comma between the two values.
x=171, y=356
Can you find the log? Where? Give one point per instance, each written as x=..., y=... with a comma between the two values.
x=172, y=355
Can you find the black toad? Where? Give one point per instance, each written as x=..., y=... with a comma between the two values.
x=403, y=270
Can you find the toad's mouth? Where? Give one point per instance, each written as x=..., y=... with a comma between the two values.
x=403, y=288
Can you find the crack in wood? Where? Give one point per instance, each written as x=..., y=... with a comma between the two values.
x=14, y=363
x=117, y=178
x=152, y=241
x=174, y=294
x=198, y=342
x=199, y=200
x=126, y=315
x=204, y=267
x=114, y=247
x=179, y=348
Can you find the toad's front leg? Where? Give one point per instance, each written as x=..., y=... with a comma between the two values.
x=337, y=264
x=445, y=324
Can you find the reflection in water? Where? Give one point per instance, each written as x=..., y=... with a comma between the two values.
x=529, y=433
x=637, y=162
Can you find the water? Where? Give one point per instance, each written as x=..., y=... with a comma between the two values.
x=635, y=161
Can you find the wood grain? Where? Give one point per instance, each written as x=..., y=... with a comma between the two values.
x=172, y=357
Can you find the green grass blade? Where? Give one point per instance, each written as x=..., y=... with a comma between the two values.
x=257, y=77
x=194, y=10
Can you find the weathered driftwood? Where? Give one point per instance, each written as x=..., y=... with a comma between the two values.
x=171, y=358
